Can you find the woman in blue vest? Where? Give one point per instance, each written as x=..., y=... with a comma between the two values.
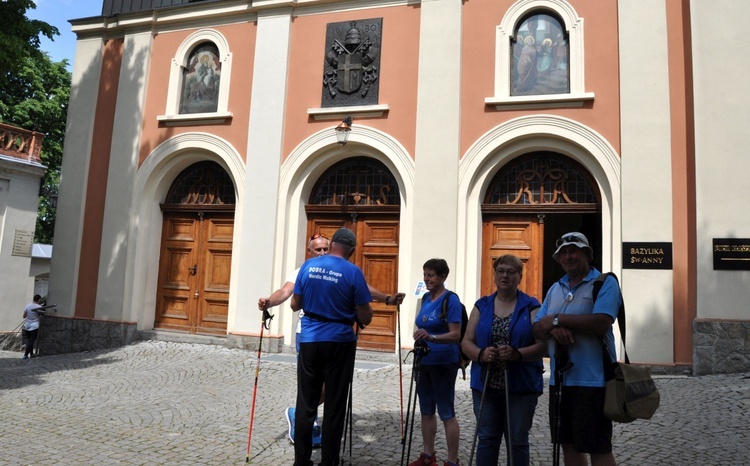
x=499, y=335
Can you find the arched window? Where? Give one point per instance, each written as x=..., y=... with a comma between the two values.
x=201, y=80
x=202, y=184
x=542, y=179
x=540, y=57
x=199, y=76
x=360, y=182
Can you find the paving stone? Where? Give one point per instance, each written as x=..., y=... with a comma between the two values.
x=158, y=402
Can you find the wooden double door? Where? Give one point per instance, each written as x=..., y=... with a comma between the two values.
x=194, y=271
x=377, y=255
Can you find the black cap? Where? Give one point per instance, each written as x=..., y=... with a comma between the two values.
x=345, y=236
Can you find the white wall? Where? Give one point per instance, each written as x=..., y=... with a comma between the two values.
x=722, y=139
x=19, y=197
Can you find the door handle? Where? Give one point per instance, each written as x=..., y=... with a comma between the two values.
x=196, y=295
x=193, y=270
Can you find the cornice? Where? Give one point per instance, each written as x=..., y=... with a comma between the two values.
x=214, y=13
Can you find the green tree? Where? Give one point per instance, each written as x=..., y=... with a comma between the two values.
x=20, y=36
x=34, y=94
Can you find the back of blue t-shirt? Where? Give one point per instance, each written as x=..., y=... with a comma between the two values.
x=331, y=287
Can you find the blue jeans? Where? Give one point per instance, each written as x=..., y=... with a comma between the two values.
x=493, y=425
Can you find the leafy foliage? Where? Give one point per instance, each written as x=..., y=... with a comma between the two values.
x=34, y=94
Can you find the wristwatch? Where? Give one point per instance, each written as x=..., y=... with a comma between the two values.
x=556, y=320
x=433, y=337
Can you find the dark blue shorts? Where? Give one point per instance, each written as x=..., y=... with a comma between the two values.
x=437, y=389
x=583, y=423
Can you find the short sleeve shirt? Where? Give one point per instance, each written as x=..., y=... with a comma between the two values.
x=331, y=287
x=586, y=352
x=430, y=318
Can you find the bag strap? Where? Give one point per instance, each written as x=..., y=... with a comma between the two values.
x=444, y=313
x=621, y=322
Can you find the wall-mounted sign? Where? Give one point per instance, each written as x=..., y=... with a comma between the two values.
x=647, y=256
x=23, y=241
x=731, y=253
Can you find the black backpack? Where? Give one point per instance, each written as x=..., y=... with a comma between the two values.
x=463, y=360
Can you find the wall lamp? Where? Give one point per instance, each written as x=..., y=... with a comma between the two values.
x=343, y=130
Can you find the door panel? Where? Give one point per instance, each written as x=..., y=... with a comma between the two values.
x=194, y=272
x=377, y=255
x=175, y=280
x=378, y=258
x=522, y=236
x=214, y=297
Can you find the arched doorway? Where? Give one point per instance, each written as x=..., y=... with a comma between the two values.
x=530, y=203
x=196, y=251
x=360, y=194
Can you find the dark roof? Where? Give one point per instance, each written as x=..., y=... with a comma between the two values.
x=116, y=7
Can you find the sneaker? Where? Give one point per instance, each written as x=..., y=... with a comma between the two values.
x=424, y=460
x=289, y=414
x=317, y=435
x=25, y=356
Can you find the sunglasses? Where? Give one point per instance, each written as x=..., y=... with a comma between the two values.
x=570, y=239
x=316, y=236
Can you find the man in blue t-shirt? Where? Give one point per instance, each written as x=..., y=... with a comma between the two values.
x=333, y=293
x=579, y=330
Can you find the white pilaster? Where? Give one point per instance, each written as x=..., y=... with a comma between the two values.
x=79, y=129
x=437, y=137
x=646, y=174
x=255, y=237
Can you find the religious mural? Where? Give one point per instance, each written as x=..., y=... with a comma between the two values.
x=200, y=82
x=540, y=57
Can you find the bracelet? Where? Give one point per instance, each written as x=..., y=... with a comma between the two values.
x=479, y=358
x=520, y=356
x=387, y=299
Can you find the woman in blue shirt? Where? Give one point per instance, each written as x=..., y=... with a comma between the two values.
x=438, y=326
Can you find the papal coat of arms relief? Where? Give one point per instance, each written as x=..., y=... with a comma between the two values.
x=352, y=63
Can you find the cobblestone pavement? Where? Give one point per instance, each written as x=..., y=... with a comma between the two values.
x=158, y=402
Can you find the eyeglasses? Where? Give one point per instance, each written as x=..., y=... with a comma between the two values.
x=316, y=236
x=508, y=272
x=570, y=239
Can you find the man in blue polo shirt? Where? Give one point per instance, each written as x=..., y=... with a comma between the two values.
x=578, y=330
x=333, y=293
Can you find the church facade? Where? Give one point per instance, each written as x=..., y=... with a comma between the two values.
x=201, y=154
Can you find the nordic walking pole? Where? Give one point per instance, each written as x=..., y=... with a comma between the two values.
x=560, y=367
x=400, y=370
x=508, y=434
x=420, y=349
x=349, y=417
x=264, y=324
x=408, y=408
x=479, y=418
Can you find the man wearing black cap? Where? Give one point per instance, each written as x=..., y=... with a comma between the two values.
x=333, y=293
x=578, y=330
